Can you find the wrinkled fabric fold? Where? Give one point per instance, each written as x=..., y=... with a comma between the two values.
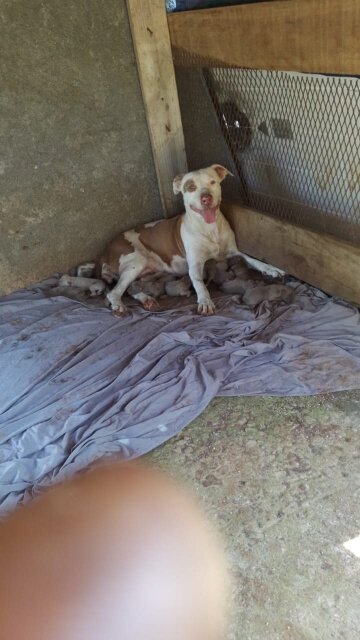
x=78, y=384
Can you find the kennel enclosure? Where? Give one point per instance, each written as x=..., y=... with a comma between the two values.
x=270, y=89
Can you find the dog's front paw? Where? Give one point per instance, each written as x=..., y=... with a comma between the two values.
x=206, y=307
x=266, y=269
x=120, y=311
x=117, y=306
x=273, y=272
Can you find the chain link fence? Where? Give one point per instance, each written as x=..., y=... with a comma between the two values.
x=291, y=139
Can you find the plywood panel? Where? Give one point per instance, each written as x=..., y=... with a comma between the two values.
x=320, y=260
x=316, y=36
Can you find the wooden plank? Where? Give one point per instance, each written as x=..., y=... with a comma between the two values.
x=151, y=40
x=321, y=260
x=315, y=36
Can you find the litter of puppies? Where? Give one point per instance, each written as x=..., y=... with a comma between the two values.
x=232, y=277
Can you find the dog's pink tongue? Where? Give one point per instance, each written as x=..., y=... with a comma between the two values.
x=209, y=215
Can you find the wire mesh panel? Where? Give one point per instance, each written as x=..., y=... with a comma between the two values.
x=291, y=139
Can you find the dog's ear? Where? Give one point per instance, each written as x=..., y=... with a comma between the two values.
x=177, y=184
x=221, y=171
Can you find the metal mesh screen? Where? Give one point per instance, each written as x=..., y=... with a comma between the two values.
x=291, y=139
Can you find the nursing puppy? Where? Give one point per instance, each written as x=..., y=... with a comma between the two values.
x=180, y=245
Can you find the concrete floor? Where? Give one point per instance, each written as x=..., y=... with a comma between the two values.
x=280, y=477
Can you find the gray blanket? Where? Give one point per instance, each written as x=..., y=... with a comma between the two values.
x=78, y=384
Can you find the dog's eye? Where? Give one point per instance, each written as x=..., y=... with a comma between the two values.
x=212, y=181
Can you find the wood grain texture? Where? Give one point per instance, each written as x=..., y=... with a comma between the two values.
x=315, y=36
x=320, y=260
x=151, y=40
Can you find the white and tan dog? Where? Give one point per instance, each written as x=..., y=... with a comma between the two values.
x=178, y=245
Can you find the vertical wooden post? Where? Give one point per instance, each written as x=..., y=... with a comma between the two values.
x=149, y=27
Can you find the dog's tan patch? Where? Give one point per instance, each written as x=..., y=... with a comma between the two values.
x=189, y=185
x=164, y=239
x=117, y=248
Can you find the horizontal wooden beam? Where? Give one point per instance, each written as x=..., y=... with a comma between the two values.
x=315, y=36
x=151, y=41
x=320, y=260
